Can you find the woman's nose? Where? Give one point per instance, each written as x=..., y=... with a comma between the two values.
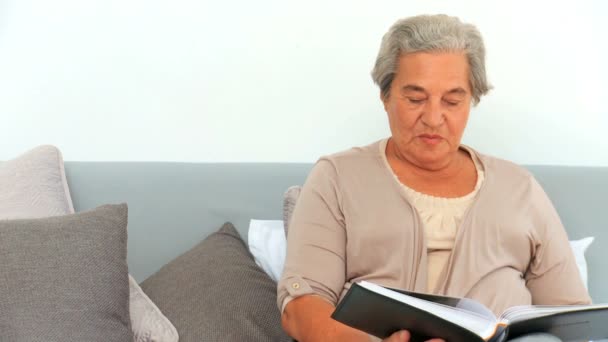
x=432, y=115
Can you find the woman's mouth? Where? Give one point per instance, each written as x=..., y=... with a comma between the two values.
x=431, y=139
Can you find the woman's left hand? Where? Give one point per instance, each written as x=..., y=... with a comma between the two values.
x=404, y=336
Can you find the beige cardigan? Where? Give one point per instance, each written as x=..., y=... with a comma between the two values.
x=353, y=222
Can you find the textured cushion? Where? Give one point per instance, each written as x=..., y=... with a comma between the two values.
x=289, y=203
x=34, y=185
x=147, y=321
x=65, y=278
x=216, y=292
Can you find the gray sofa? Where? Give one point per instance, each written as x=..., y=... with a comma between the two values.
x=172, y=206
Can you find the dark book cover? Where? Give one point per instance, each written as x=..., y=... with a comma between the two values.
x=381, y=316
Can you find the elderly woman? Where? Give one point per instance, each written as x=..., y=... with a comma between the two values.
x=419, y=210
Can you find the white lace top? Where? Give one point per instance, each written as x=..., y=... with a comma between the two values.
x=440, y=218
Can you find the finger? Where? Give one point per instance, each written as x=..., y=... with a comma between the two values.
x=399, y=336
x=405, y=336
x=435, y=340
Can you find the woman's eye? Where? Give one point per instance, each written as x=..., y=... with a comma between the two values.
x=416, y=101
x=451, y=103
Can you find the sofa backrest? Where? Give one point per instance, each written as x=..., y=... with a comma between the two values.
x=173, y=206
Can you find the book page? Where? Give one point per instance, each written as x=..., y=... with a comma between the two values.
x=477, y=323
x=477, y=307
x=460, y=303
x=524, y=312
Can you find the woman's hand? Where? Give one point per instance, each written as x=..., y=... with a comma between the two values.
x=404, y=336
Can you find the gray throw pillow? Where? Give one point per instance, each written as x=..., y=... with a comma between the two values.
x=216, y=292
x=65, y=278
x=290, y=198
x=34, y=185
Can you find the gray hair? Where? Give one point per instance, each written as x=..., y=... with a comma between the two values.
x=431, y=33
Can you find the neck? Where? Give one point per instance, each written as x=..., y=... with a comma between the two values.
x=446, y=169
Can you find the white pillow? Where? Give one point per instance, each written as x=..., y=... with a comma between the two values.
x=268, y=245
x=578, y=248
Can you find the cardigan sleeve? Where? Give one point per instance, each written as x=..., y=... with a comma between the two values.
x=552, y=276
x=316, y=240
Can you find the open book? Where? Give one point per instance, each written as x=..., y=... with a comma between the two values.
x=381, y=311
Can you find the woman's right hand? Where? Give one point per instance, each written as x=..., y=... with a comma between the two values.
x=404, y=336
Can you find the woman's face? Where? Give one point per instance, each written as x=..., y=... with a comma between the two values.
x=428, y=107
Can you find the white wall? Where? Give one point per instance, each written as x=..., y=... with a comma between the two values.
x=282, y=81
